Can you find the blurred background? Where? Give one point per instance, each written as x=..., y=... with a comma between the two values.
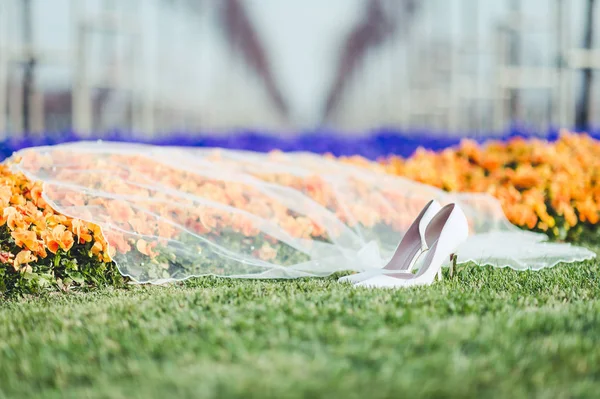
x=151, y=67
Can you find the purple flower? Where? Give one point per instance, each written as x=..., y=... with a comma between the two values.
x=371, y=145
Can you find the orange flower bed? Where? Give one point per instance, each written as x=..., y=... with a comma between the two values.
x=551, y=187
x=32, y=233
x=141, y=231
x=36, y=228
x=200, y=209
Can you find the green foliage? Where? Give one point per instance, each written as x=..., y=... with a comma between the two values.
x=75, y=269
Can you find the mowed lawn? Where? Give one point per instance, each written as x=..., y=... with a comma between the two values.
x=484, y=333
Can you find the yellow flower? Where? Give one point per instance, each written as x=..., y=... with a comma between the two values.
x=22, y=261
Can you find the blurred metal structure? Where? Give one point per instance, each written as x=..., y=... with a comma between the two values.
x=111, y=23
x=3, y=65
x=152, y=66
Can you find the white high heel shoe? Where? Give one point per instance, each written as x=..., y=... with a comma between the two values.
x=412, y=245
x=446, y=231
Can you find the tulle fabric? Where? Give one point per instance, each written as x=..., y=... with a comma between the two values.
x=170, y=213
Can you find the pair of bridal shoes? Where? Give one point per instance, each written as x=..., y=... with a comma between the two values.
x=434, y=236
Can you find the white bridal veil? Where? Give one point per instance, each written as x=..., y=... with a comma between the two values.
x=171, y=213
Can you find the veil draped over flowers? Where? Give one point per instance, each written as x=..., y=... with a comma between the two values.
x=170, y=213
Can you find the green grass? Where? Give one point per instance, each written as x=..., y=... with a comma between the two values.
x=485, y=333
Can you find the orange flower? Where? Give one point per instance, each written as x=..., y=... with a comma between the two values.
x=34, y=215
x=58, y=238
x=117, y=242
x=146, y=248
x=53, y=220
x=142, y=226
x=97, y=249
x=5, y=195
x=101, y=251
x=80, y=229
x=29, y=239
x=165, y=229
x=15, y=219
x=539, y=184
x=266, y=252
x=36, y=196
x=525, y=177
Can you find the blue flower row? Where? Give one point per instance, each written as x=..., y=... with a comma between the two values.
x=371, y=145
